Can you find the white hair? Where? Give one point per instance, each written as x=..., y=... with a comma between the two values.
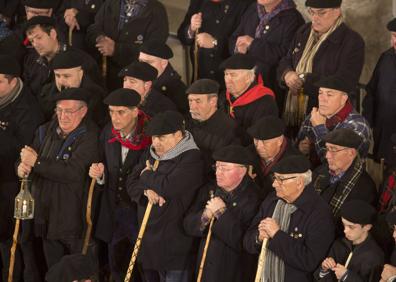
x=307, y=177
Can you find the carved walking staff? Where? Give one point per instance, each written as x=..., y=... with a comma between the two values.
x=261, y=261
x=141, y=230
x=70, y=36
x=196, y=49
x=88, y=217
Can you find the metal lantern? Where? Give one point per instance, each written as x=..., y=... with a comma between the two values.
x=24, y=202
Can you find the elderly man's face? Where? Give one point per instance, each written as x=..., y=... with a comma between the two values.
x=288, y=186
x=237, y=81
x=45, y=44
x=6, y=85
x=156, y=62
x=164, y=143
x=323, y=19
x=339, y=158
x=34, y=12
x=393, y=39
x=268, y=149
x=68, y=78
x=123, y=118
x=202, y=107
x=331, y=101
x=356, y=233
x=140, y=86
x=70, y=114
x=229, y=175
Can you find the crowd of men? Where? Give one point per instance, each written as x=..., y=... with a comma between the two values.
x=264, y=147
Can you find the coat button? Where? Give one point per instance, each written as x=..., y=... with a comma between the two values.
x=126, y=33
x=93, y=6
x=212, y=72
x=217, y=21
x=120, y=179
x=120, y=188
x=163, y=88
x=211, y=55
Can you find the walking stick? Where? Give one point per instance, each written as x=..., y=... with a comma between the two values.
x=261, y=261
x=141, y=231
x=88, y=217
x=13, y=249
x=196, y=48
x=205, y=250
x=70, y=37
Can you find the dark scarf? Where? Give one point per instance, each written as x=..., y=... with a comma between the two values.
x=266, y=167
x=339, y=117
x=139, y=140
x=265, y=17
x=253, y=94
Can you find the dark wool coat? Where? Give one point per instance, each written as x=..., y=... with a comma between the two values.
x=18, y=122
x=379, y=104
x=365, y=265
x=272, y=45
x=226, y=260
x=341, y=54
x=152, y=23
x=155, y=102
x=301, y=254
x=219, y=19
x=165, y=245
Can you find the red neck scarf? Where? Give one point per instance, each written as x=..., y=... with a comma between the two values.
x=339, y=117
x=253, y=94
x=139, y=140
x=266, y=167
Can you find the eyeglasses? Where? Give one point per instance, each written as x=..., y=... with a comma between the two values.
x=222, y=168
x=333, y=150
x=66, y=112
x=320, y=13
x=281, y=180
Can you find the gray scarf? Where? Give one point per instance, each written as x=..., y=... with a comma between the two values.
x=11, y=97
x=274, y=270
x=186, y=144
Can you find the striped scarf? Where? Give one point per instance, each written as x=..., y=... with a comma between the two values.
x=274, y=270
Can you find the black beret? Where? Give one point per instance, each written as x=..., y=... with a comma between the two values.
x=238, y=61
x=40, y=20
x=358, y=211
x=157, y=49
x=323, y=3
x=204, y=86
x=139, y=70
x=345, y=137
x=267, y=128
x=334, y=82
x=78, y=94
x=66, y=60
x=165, y=123
x=123, y=97
x=391, y=26
x=41, y=4
x=9, y=65
x=292, y=164
x=233, y=154
x=71, y=268
x=391, y=218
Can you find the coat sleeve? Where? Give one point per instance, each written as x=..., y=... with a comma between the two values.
x=192, y=221
x=249, y=240
x=97, y=28
x=183, y=28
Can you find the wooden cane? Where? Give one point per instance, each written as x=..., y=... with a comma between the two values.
x=70, y=36
x=88, y=217
x=196, y=48
x=261, y=261
x=141, y=232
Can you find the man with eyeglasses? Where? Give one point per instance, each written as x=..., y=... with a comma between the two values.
x=297, y=223
x=122, y=142
x=324, y=46
x=343, y=177
x=232, y=201
x=270, y=146
x=57, y=163
x=334, y=111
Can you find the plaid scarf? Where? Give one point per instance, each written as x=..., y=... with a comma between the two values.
x=388, y=196
x=339, y=117
x=265, y=17
x=139, y=140
x=274, y=269
x=347, y=185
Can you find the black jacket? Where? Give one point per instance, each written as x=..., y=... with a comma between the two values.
x=155, y=102
x=225, y=260
x=165, y=245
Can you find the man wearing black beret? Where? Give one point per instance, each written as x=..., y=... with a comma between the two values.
x=122, y=142
x=139, y=76
x=389, y=272
x=58, y=162
x=247, y=99
x=270, y=146
x=168, y=175
x=379, y=103
x=47, y=42
x=20, y=116
x=168, y=81
x=296, y=221
x=232, y=201
x=324, y=46
x=334, y=111
x=357, y=249
x=343, y=178
x=211, y=128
